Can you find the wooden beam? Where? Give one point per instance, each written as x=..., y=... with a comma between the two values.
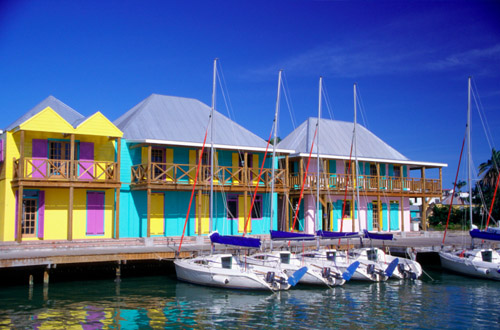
x=287, y=174
x=301, y=169
x=245, y=169
x=200, y=205
x=149, y=211
x=118, y=159
x=117, y=214
x=19, y=231
x=72, y=157
x=21, y=156
x=402, y=215
x=245, y=209
x=424, y=200
x=149, y=170
x=70, y=214
x=380, y=216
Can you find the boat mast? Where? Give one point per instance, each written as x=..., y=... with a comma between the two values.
x=469, y=151
x=356, y=162
x=212, y=146
x=274, y=147
x=316, y=222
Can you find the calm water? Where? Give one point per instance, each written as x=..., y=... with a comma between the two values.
x=160, y=302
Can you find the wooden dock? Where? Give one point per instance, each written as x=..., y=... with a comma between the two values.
x=48, y=255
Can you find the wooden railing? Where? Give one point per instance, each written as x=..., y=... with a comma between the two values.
x=366, y=183
x=167, y=174
x=66, y=170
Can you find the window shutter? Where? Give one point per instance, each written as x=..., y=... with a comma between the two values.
x=86, y=162
x=39, y=154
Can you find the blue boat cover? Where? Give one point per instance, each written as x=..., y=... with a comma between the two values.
x=285, y=235
x=333, y=234
x=235, y=240
x=369, y=235
x=488, y=234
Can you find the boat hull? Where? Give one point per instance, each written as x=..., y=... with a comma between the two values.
x=473, y=268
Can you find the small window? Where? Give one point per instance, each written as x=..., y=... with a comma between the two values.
x=330, y=256
x=232, y=207
x=373, y=170
x=371, y=254
x=257, y=208
x=397, y=171
x=348, y=209
x=285, y=258
x=487, y=256
x=227, y=262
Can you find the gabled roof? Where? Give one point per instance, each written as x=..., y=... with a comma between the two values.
x=97, y=124
x=176, y=119
x=335, y=140
x=66, y=112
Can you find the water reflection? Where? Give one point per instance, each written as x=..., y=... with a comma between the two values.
x=157, y=302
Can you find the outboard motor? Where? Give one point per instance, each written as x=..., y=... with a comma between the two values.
x=326, y=272
x=370, y=269
x=402, y=270
x=270, y=277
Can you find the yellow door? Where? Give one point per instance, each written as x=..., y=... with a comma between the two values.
x=157, y=215
x=242, y=214
x=203, y=213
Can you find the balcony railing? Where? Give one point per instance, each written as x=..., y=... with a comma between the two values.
x=170, y=174
x=366, y=183
x=66, y=170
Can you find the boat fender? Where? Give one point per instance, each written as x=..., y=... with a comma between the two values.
x=484, y=271
x=462, y=254
x=220, y=279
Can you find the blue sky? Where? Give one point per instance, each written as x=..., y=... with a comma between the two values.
x=410, y=59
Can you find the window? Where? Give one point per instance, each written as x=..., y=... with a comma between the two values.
x=232, y=207
x=346, y=167
x=347, y=209
x=60, y=150
x=257, y=208
x=373, y=170
x=30, y=208
x=397, y=171
x=158, y=156
x=227, y=262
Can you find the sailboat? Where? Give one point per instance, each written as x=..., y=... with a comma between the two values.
x=479, y=262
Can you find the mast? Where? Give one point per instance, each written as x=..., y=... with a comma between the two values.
x=469, y=151
x=212, y=146
x=316, y=222
x=274, y=147
x=356, y=161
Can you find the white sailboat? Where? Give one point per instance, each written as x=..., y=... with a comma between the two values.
x=481, y=263
x=406, y=268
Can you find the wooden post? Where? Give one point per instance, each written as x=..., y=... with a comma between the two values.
x=72, y=166
x=149, y=211
x=117, y=191
x=245, y=209
x=286, y=200
x=301, y=171
x=379, y=210
x=287, y=174
x=402, y=215
x=200, y=205
x=118, y=272
x=149, y=170
x=245, y=169
x=70, y=213
x=46, y=276
x=19, y=230
x=424, y=200
x=21, y=157
x=440, y=181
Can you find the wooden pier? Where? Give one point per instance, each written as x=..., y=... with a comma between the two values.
x=116, y=252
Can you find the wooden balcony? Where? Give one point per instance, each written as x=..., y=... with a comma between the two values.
x=181, y=176
x=57, y=172
x=371, y=185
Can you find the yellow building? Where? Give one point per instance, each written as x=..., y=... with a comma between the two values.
x=59, y=175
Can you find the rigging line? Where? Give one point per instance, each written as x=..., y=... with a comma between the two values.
x=288, y=101
x=484, y=123
x=194, y=186
x=454, y=187
x=362, y=107
x=327, y=101
x=258, y=182
x=346, y=187
x=481, y=109
x=305, y=176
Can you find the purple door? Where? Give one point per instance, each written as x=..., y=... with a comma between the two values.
x=95, y=213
